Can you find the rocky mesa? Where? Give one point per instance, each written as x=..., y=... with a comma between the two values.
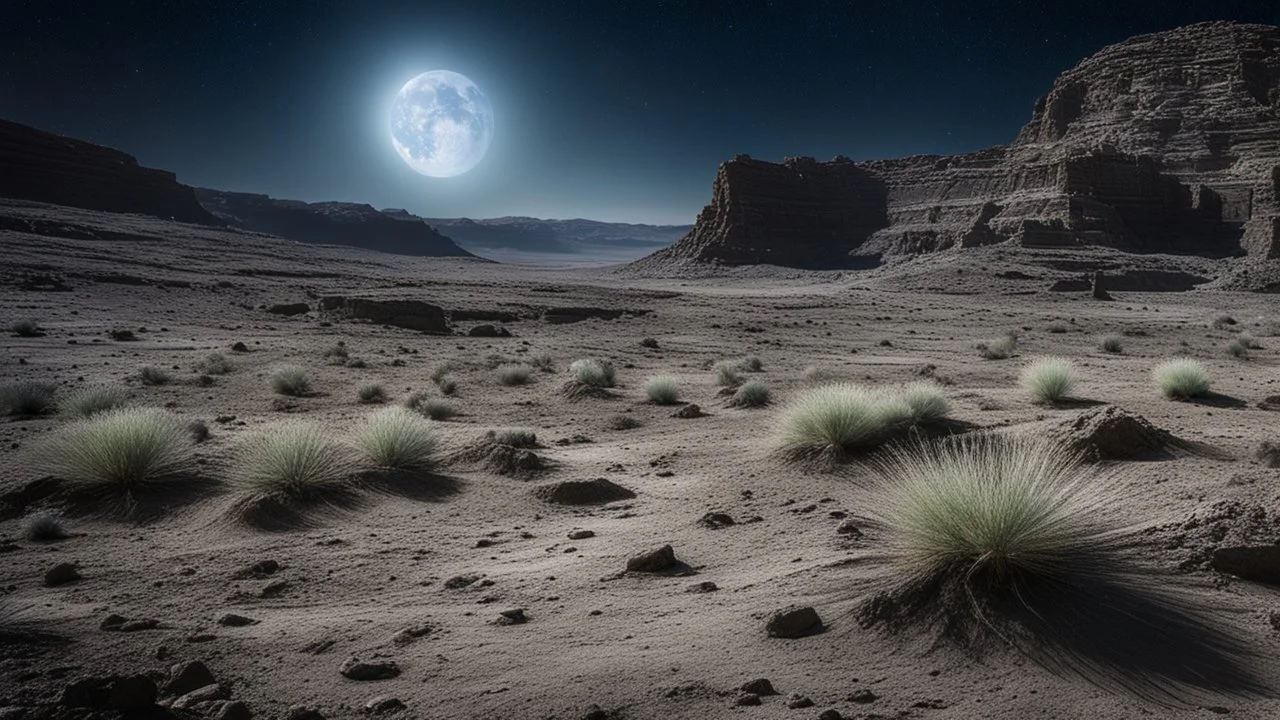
x=1165, y=143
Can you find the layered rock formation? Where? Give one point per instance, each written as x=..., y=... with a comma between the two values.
x=41, y=166
x=330, y=223
x=1165, y=143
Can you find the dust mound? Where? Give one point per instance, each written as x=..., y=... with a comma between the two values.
x=583, y=492
x=501, y=458
x=1112, y=433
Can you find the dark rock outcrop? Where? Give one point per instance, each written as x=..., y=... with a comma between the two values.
x=527, y=234
x=41, y=166
x=330, y=223
x=408, y=314
x=1165, y=143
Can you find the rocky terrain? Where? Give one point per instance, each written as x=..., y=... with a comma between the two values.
x=514, y=237
x=1166, y=143
x=330, y=223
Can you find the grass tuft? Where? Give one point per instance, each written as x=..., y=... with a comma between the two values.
x=516, y=438
x=120, y=449
x=926, y=401
x=26, y=398
x=1112, y=343
x=828, y=422
x=543, y=363
x=215, y=364
x=623, y=422
x=592, y=372
x=371, y=393
x=43, y=526
x=752, y=394
x=1238, y=349
x=152, y=375
x=397, y=438
x=290, y=380
x=1048, y=379
x=662, y=390
x=513, y=374
x=1181, y=378
x=727, y=374
x=427, y=406
x=998, y=349
x=292, y=459
x=751, y=364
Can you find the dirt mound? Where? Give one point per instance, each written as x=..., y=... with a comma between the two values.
x=583, y=492
x=1224, y=524
x=1111, y=433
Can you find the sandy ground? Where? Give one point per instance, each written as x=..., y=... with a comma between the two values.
x=631, y=645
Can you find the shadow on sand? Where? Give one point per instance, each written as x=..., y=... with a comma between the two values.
x=146, y=503
x=279, y=513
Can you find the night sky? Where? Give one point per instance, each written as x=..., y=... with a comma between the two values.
x=614, y=110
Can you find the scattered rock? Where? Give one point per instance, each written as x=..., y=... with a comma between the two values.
x=514, y=616
x=1260, y=563
x=410, y=634
x=705, y=586
x=233, y=620
x=186, y=677
x=831, y=714
x=583, y=492
x=581, y=534
x=234, y=710
x=653, y=561
x=747, y=699
x=688, y=411
x=61, y=574
x=303, y=712
x=408, y=314
x=796, y=701
x=1271, y=402
x=460, y=581
x=383, y=705
x=239, y=347
x=356, y=669
x=759, y=686
x=274, y=589
x=206, y=694
x=258, y=570
x=863, y=697
x=716, y=520
x=794, y=622
x=849, y=527
x=289, y=309
x=489, y=331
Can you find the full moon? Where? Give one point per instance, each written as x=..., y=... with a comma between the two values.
x=441, y=124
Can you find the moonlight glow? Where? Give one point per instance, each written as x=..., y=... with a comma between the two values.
x=441, y=124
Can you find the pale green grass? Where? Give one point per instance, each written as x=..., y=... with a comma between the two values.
x=998, y=349
x=1048, y=379
x=120, y=449
x=152, y=375
x=292, y=459
x=927, y=402
x=371, y=393
x=510, y=375
x=592, y=372
x=215, y=364
x=752, y=394
x=27, y=398
x=397, y=438
x=517, y=438
x=92, y=400
x=727, y=374
x=291, y=380
x=829, y=421
x=1181, y=378
x=1112, y=343
x=662, y=390
x=427, y=406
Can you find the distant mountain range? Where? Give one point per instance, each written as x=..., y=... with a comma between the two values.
x=557, y=237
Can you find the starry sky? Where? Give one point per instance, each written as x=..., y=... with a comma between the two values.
x=616, y=110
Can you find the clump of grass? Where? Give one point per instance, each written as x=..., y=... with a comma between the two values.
x=427, y=406
x=998, y=349
x=26, y=328
x=1181, y=378
x=371, y=393
x=290, y=380
x=662, y=390
x=1048, y=379
x=826, y=423
x=926, y=401
x=441, y=370
x=292, y=459
x=27, y=398
x=447, y=386
x=623, y=422
x=43, y=526
x=516, y=438
x=651, y=343
x=152, y=375
x=397, y=438
x=1247, y=339
x=1238, y=349
x=727, y=374
x=592, y=372
x=1112, y=343
x=751, y=364
x=514, y=374
x=215, y=364
x=752, y=394
x=815, y=374
x=121, y=449
x=338, y=354
x=543, y=363
x=992, y=513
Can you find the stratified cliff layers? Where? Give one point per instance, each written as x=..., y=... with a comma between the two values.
x=1165, y=143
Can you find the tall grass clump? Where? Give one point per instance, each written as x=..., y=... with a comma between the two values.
x=26, y=398
x=121, y=449
x=292, y=459
x=752, y=394
x=592, y=372
x=152, y=375
x=92, y=400
x=514, y=374
x=826, y=423
x=727, y=374
x=1048, y=379
x=43, y=526
x=1111, y=343
x=338, y=354
x=1181, y=378
x=998, y=349
x=751, y=364
x=215, y=364
x=371, y=393
x=290, y=380
x=397, y=438
x=991, y=512
x=662, y=390
x=1238, y=349
x=926, y=401
x=431, y=407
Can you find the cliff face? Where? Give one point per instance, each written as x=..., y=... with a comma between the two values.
x=41, y=166
x=1165, y=143
x=330, y=223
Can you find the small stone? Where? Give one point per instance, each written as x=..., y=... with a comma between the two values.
x=581, y=534
x=274, y=589
x=260, y=569
x=410, y=634
x=234, y=710
x=796, y=622
x=796, y=701
x=233, y=620
x=831, y=714
x=705, y=586
x=460, y=581
x=747, y=699
x=514, y=616
x=383, y=704
x=138, y=625
x=112, y=622
x=189, y=676
x=688, y=411
x=303, y=712
x=355, y=669
x=61, y=574
x=203, y=637
x=653, y=561
x=759, y=686
x=716, y=520
x=862, y=697
x=850, y=528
